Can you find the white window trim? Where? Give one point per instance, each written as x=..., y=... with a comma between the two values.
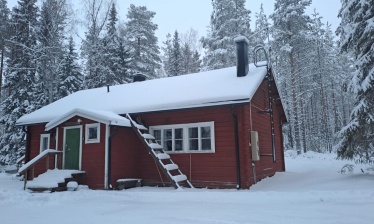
x=185, y=136
x=41, y=141
x=88, y=126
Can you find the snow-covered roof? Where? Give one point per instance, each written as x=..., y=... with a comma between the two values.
x=106, y=117
x=216, y=87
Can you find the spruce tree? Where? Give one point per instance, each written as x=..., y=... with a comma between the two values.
x=229, y=19
x=143, y=42
x=115, y=52
x=71, y=76
x=356, y=36
x=176, y=56
x=51, y=37
x=262, y=27
x=19, y=79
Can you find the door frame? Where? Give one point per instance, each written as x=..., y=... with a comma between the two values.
x=80, y=145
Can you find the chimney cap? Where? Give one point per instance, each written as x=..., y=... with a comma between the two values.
x=241, y=39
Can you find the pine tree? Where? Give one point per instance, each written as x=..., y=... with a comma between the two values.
x=290, y=34
x=71, y=76
x=143, y=42
x=176, y=56
x=196, y=62
x=19, y=79
x=229, y=19
x=191, y=62
x=167, y=55
x=356, y=36
x=4, y=30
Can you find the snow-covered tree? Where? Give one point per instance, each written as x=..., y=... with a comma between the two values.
x=92, y=50
x=229, y=19
x=176, y=56
x=181, y=55
x=51, y=37
x=71, y=79
x=143, y=44
x=262, y=27
x=4, y=30
x=290, y=31
x=167, y=54
x=116, y=53
x=19, y=78
x=356, y=32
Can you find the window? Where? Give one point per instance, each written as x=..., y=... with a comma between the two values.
x=195, y=137
x=44, y=142
x=92, y=133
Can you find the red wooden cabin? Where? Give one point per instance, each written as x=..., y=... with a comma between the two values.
x=202, y=121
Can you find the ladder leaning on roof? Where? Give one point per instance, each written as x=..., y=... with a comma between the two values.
x=163, y=160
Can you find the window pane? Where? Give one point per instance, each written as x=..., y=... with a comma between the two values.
x=157, y=135
x=205, y=132
x=178, y=145
x=92, y=133
x=206, y=144
x=178, y=133
x=168, y=142
x=193, y=133
x=45, y=143
x=194, y=144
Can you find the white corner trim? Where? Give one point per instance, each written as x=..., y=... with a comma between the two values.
x=106, y=156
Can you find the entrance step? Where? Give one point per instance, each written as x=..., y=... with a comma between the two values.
x=55, y=180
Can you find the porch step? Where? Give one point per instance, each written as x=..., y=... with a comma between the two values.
x=163, y=160
x=55, y=180
x=128, y=183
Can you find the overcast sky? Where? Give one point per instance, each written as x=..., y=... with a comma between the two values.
x=181, y=15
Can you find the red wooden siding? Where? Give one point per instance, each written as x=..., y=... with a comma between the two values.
x=36, y=131
x=261, y=123
x=202, y=169
x=125, y=156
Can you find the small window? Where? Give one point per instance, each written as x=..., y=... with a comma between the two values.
x=92, y=133
x=44, y=142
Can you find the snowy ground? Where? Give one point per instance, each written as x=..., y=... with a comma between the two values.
x=311, y=191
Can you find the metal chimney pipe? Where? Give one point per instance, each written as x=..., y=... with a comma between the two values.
x=241, y=56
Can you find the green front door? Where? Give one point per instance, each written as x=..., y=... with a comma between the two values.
x=72, y=146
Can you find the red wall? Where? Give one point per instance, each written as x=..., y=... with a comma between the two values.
x=261, y=123
x=36, y=131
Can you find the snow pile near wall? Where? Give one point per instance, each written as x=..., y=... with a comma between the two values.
x=51, y=178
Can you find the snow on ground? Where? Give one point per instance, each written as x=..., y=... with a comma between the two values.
x=311, y=191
